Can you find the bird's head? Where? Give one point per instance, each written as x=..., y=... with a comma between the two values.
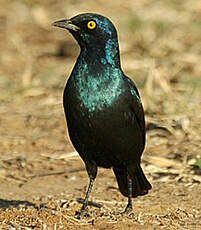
x=96, y=35
x=89, y=29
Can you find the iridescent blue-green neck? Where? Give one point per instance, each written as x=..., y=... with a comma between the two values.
x=98, y=77
x=104, y=53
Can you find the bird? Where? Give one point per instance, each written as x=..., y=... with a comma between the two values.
x=103, y=109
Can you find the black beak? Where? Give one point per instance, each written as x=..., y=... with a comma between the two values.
x=67, y=24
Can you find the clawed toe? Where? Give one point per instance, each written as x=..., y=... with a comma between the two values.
x=82, y=213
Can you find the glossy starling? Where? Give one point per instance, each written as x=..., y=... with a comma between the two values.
x=104, y=113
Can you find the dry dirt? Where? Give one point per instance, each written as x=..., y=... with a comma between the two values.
x=41, y=176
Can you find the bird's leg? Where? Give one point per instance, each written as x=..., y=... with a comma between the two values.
x=92, y=172
x=85, y=203
x=129, y=207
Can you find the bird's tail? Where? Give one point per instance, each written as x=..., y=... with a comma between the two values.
x=140, y=184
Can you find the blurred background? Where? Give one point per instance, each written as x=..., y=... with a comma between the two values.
x=160, y=44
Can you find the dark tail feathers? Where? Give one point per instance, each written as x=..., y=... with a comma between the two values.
x=140, y=183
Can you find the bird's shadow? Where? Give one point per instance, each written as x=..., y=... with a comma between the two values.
x=4, y=204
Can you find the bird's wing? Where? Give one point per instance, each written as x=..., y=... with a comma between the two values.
x=136, y=105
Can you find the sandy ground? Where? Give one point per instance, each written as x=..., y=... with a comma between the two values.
x=41, y=176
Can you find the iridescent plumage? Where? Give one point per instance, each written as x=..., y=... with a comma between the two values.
x=103, y=109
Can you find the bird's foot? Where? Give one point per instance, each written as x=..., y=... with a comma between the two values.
x=82, y=213
x=90, y=203
x=128, y=210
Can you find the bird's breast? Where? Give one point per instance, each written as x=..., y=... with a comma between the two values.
x=98, y=94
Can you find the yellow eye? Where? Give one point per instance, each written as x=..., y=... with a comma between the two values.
x=91, y=25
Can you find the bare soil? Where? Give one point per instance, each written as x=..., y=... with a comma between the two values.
x=41, y=175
